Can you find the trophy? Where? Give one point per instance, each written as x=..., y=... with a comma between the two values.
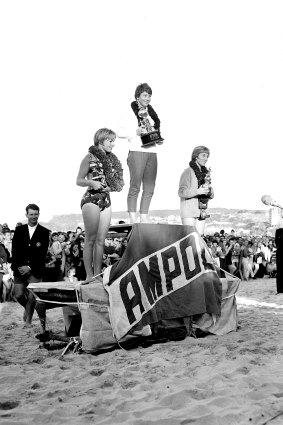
x=203, y=199
x=149, y=135
x=207, y=179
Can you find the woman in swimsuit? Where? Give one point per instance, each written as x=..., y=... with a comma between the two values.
x=101, y=172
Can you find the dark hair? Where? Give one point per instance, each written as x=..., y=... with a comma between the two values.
x=32, y=207
x=75, y=243
x=143, y=87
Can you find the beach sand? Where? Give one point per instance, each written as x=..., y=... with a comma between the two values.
x=217, y=380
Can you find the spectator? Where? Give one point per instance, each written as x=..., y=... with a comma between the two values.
x=56, y=250
x=5, y=227
x=215, y=249
x=71, y=276
x=70, y=236
x=3, y=252
x=109, y=247
x=50, y=272
x=245, y=263
x=79, y=231
x=229, y=254
x=222, y=255
x=67, y=257
x=123, y=246
x=77, y=261
x=236, y=260
x=8, y=243
x=106, y=262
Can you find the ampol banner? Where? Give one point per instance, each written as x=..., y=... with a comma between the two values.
x=166, y=272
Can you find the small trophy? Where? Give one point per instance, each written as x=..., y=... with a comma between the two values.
x=207, y=179
x=203, y=199
x=149, y=136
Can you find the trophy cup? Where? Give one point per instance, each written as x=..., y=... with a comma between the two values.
x=149, y=135
x=203, y=199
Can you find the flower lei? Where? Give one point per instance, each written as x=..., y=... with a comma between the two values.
x=112, y=168
x=199, y=172
x=151, y=113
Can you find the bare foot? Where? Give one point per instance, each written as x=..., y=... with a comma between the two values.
x=88, y=280
x=99, y=279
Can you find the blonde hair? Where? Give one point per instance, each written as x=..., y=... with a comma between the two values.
x=103, y=134
x=198, y=150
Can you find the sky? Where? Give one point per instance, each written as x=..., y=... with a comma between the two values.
x=70, y=67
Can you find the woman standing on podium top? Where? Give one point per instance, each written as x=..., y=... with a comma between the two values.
x=139, y=120
x=195, y=190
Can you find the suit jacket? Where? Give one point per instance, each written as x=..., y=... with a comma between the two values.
x=30, y=252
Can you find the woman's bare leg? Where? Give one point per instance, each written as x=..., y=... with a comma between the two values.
x=189, y=221
x=91, y=217
x=198, y=224
x=103, y=227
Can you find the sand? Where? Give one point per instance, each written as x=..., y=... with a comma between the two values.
x=232, y=379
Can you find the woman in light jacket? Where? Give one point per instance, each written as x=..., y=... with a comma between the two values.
x=195, y=190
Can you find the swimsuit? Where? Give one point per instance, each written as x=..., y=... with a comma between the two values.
x=97, y=197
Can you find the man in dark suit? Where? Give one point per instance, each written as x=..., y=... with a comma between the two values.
x=29, y=248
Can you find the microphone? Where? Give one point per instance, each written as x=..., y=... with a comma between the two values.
x=268, y=200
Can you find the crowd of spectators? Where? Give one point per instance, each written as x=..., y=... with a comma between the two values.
x=248, y=257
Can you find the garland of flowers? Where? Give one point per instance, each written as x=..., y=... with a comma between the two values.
x=199, y=172
x=153, y=115
x=112, y=168
x=200, y=175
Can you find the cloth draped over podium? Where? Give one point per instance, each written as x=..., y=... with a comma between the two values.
x=166, y=272
x=165, y=276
